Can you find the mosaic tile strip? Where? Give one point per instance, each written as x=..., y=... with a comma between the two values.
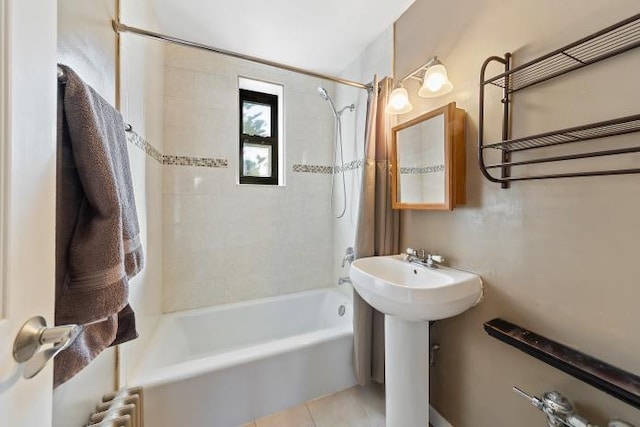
x=421, y=169
x=353, y=165
x=313, y=169
x=356, y=164
x=141, y=143
x=205, y=162
x=163, y=159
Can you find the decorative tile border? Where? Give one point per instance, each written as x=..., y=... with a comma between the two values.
x=356, y=164
x=163, y=159
x=421, y=169
x=353, y=165
x=208, y=162
x=313, y=169
x=205, y=162
x=141, y=143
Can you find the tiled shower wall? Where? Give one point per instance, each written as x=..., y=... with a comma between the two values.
x=375, y=59
x=224, y=242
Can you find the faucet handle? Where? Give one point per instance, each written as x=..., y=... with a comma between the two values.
x=349, y=256
x=437, y=258
x=416, y=252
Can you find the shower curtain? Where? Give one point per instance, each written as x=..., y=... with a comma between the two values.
x=377, y=232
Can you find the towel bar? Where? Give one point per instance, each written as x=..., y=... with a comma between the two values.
x=62, y=78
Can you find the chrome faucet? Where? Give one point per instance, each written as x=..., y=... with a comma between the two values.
x=343, y=280
x=349, y=256
x=420, y=257
x=560, y=412
x=434, y=260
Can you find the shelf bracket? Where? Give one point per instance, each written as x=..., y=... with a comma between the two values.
x=506, y=100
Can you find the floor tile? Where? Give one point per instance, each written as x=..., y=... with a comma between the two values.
x=295, y=417
x=371, y=398
x=342, y=409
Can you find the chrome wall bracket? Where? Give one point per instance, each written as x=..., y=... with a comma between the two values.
x=35, y=334
x=560, y=412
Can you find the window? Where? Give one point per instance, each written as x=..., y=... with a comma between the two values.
x=260, y=154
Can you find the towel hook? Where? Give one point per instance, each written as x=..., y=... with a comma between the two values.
x=33, y=335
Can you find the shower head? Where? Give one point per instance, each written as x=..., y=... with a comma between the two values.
x=323, y=93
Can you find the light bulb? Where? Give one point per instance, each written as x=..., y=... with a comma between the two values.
x=398, y=102
x=436, y=82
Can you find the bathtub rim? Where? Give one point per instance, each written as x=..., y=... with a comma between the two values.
x=156, y=376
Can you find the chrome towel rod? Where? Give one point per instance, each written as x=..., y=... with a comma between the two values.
x=62, y=78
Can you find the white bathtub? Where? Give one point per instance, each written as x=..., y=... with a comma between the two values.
x=227, y=365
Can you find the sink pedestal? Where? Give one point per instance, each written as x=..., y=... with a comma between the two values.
x=406, y=372
x=410, y=295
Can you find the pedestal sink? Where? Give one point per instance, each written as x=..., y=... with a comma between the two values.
x=410, y=295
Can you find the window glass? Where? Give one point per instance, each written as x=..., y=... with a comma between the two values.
x=256, y=160
x=260, y=124
x=256, y=119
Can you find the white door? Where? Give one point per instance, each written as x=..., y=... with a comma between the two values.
x=27, y=196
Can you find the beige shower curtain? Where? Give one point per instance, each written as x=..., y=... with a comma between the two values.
x=377, y=232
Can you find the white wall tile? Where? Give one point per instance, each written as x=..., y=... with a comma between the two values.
x=241, y=241
x=375, y=59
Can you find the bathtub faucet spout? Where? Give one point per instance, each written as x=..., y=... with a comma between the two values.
x=343, y=280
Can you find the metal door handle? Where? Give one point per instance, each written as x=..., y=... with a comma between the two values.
x=33, y=335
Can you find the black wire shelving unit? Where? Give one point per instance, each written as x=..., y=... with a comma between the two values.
x=608, y=42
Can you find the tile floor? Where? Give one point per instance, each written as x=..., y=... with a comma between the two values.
x=354, y=407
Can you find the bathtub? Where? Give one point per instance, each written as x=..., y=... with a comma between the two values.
x=227, y=365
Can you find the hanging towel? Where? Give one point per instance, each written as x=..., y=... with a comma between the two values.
x=97, y=233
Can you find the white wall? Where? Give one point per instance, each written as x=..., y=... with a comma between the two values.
x=556, y=256
x=224, y=242
x=142, y=96
x=377, y=59
x=86, y=42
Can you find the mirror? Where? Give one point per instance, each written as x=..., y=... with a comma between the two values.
x=428, y=163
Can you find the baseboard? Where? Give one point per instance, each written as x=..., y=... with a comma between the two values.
x=436, y=419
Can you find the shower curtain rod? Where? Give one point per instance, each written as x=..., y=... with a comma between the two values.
x=122, y=28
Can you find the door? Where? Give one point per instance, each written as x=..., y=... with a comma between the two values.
x=27, y=196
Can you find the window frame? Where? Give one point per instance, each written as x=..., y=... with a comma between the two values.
x=246, y=95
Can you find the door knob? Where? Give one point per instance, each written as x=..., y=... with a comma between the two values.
x=33, y=335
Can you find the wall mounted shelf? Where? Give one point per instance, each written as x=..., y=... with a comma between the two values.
x=618, y=383
x=596, y=47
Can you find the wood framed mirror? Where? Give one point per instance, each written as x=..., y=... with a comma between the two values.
x=428, y=161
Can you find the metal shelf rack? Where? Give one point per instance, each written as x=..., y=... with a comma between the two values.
x=610, y=41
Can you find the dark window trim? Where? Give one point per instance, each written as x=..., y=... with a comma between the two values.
x=272, y=141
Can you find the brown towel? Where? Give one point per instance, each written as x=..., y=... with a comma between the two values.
x=97, y=233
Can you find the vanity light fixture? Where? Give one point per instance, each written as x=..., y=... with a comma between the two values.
x=399, y=101
x=435, y=82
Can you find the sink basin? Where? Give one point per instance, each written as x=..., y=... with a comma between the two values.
x=412, y=292
x=411, y=295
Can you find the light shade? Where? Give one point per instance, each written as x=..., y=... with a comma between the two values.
x=435, y=82
x=398, y=102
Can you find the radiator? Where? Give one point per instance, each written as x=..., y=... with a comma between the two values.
x=123, y=408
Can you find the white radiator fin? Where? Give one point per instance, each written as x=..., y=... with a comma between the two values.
x=123, y=408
